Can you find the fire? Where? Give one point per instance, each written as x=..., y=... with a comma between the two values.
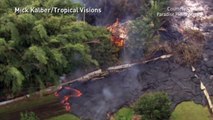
x=119, y=33
x=67, y=95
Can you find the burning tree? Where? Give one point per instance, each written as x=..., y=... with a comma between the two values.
x=119, y=33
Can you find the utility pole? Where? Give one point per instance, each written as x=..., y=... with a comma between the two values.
x=84, y=13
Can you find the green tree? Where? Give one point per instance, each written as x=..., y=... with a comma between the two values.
x=124, y=114
x=35, y=49
x=144, y=30
x=153, y=106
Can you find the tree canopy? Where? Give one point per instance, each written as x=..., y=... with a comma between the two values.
x=153, y=106
x=35, y=49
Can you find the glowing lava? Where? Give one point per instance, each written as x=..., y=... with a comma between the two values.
x=119, y=33
x=66, y=93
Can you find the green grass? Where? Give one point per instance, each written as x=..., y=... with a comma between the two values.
x=124, y=114
x=65, y=117
x=27, y=104
x=190, y=111
x=34, y=103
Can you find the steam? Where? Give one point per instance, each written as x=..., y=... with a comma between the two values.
x=107, y=94
x=111, y=10
x=77, y=1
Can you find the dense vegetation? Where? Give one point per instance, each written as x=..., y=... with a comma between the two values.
x=153, y=106
x=124, y=114
x=35, y=49
x=184, y=111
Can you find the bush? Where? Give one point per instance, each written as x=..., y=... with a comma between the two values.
x=153, y=106
x=29, y=116
x=124, y=114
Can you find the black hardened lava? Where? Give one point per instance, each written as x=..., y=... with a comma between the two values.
x=107, y=95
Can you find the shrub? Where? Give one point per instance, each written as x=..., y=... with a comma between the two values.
x=153, y=106
x=124, y=114
x=29, y=116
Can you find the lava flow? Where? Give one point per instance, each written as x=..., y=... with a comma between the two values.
x=119, y=33
x=65, y=93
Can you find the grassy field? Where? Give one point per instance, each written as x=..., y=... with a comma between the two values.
x=27, y=104
x=65, y=117
x=124, y=114
x=184, y=111
x=44, y=107
x=190, y=111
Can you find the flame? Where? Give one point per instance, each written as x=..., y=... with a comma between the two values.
x=119, y=33
x=70, y=92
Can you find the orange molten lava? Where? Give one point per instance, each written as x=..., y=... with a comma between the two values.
x=119, y=33
x=71, y=92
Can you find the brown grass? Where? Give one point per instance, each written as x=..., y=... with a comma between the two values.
x=194, y=36
x=188, y=51
x=157, y=46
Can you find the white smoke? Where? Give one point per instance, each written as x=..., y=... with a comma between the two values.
x=77, y=1
x=107, y=94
